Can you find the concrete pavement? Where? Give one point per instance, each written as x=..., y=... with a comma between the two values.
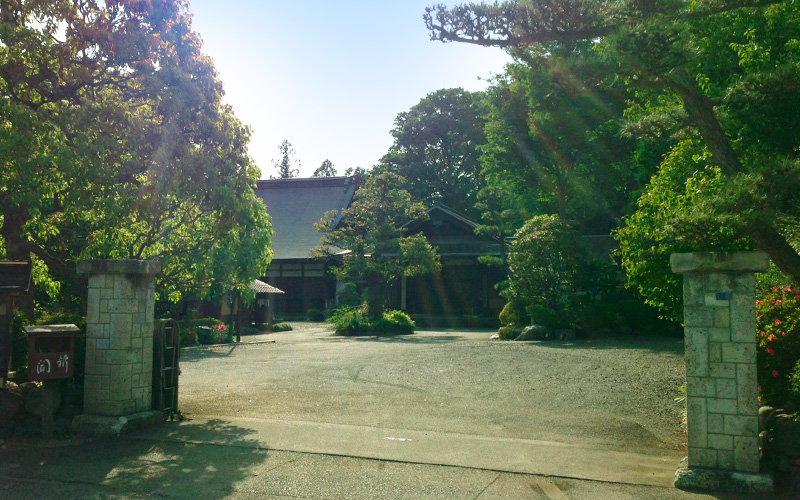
x=524, y=456
x=226, y=459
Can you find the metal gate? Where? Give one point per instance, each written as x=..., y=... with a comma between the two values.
x=166, y=352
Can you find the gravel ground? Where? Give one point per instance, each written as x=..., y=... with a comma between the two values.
x=611, y=392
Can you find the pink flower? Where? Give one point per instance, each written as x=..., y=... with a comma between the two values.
x=758, y=302
x=778, y=302
x=777, y=322
x=775, y=373
x=771, y=352
x=783, y=333
x=220, y=327
x=788, y=289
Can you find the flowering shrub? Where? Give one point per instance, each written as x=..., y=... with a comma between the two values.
x=778, y=312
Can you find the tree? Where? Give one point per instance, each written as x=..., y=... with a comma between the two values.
x=114, y=144
x=372, y=233
x=544, y=262
x=285, y=170
x=726, y=72
x=554, y=137
x=325, y=170
x=436, y=148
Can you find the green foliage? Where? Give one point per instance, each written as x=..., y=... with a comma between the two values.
x=315, y=315
x=285, y=168
x=204, y=331
x=19, y=342
x=778, y=312
x=794, y=386
x=372, y=230
x=554, y=141
x=544, y=261
x=715, y=86
x=513, y=314
x=508, y=332
x=436, y=148
x=114, y=143
x=356, y=321
x=655, y=230
x=325, y=170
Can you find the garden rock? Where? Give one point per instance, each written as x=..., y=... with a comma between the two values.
x=44, y=401
x=535, y=332
x=763, y=415
x=787, y=437
x=12, y=406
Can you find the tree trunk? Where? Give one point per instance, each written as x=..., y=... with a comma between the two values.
x=375, y=285
x=701, y=111
x=778, y=248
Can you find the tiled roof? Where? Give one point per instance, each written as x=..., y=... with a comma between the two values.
x=261, y=287
x=296, y=204
x=15, y=276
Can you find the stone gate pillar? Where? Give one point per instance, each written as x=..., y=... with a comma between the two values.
x=721, y=386
x=119, y=344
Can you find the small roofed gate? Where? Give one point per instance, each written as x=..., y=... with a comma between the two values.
x=166, y=370
x=15, y=278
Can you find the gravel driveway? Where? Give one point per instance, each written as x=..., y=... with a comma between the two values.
x=610, y=392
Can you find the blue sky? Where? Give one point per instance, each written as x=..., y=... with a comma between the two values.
x=330, y=76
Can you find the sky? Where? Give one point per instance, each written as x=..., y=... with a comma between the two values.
x=330, y=77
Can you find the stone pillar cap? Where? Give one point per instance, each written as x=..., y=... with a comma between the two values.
x=719, y=262
x=119, y=266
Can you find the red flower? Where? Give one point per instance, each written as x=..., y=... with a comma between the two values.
x=778, y=302
x=775, y=373
x=777, y=322
x=220, y=327
x=788, y=289
x=783, y=333
x=771, y=337
x=771, y=352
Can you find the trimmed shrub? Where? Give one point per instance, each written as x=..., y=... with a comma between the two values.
x=188, y=338
x=315, y=315
x=350, y=321
x=513, y=314
x=508, y=332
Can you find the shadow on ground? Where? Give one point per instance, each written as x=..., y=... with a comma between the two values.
x=671, y=345
x=129, y=465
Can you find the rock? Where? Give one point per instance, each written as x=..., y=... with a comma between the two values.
x=496, y=336
x=12, y=407
x=763, y=414
x=535, y=332
x=787, y=437
x=43, y=400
